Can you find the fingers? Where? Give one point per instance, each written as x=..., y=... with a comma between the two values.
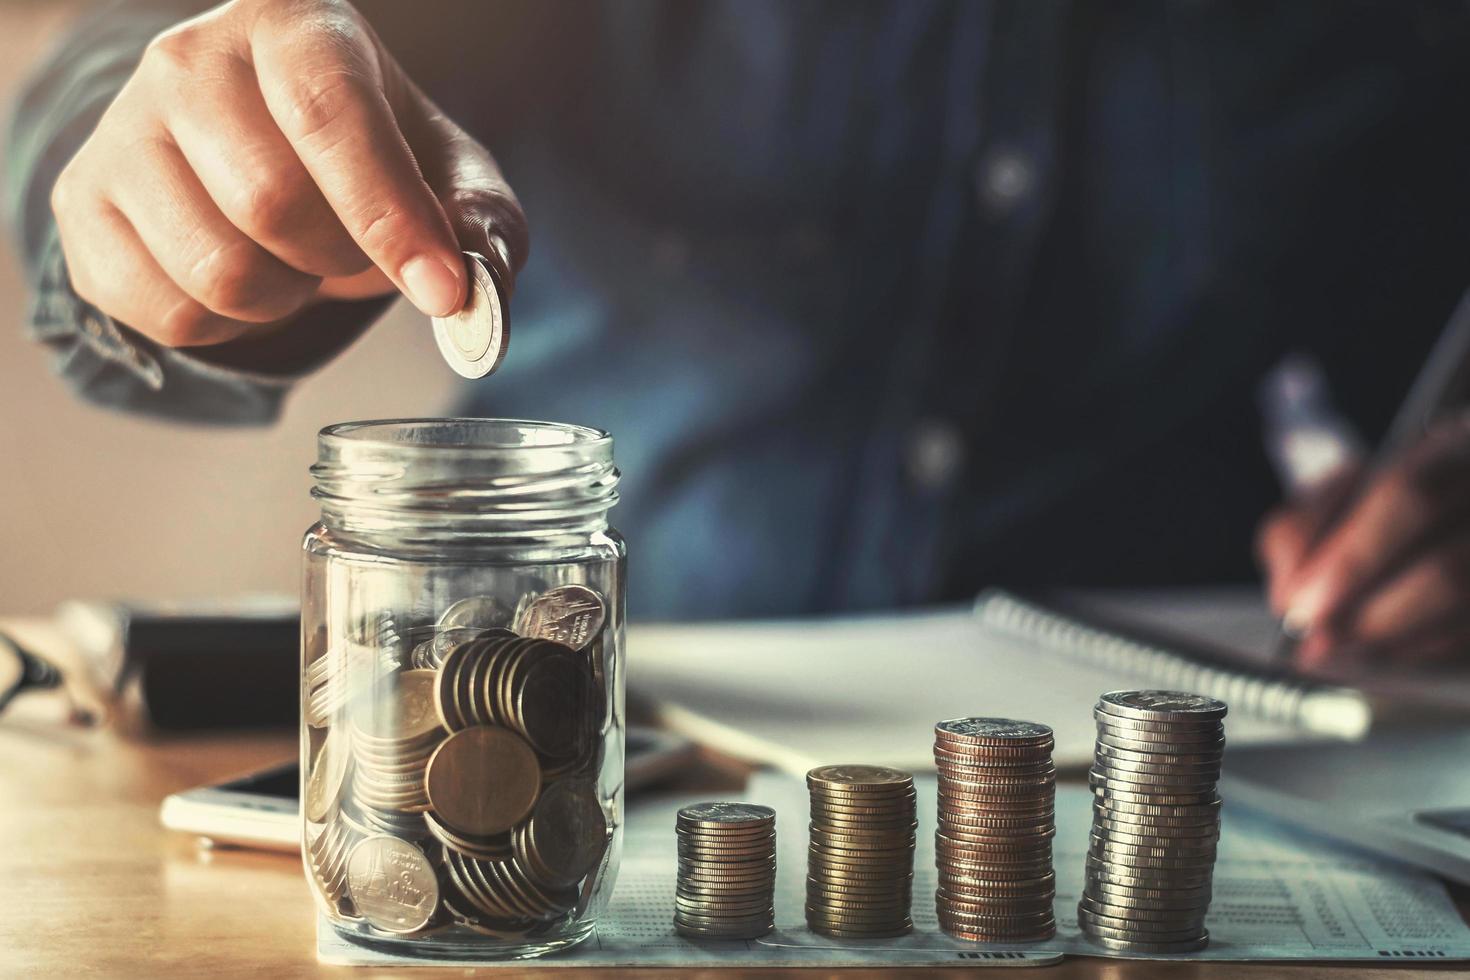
x=323, y=83
x=1438, y=641
x=196, y=246
x=111, y=269
x=1420, y=495
x=1286, y=536
x=253, y=176
x=1405, y=613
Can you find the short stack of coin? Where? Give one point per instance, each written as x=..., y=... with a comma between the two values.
x=1155, y=821
x=860, y=862
x=727, y=871
x=997, y=818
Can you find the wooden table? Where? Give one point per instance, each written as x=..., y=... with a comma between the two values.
x=93, y=886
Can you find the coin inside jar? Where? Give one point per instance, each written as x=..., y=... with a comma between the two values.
x=324, y=784
x=483, y=780
x=566, y=833
x=552, y=700
x=392, y=884
x=408, y=712
x=571, y=614
x=474, y=340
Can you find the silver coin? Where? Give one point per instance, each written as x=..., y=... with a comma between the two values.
x=1162, y=705
x=1151, y=949
x=1003, y=730
x=431, y=652
x=474, y=340
x=392, y=884
x=1142, y=757
x=572, y=615
x=1180, y=913
x=475, y=612
x=726, y=814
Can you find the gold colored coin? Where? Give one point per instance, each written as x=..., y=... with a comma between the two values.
x=483, y=780
x=324, y=785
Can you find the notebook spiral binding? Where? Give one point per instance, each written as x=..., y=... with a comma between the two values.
x=1329, y=710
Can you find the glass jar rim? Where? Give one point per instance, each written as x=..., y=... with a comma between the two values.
x=391, y=433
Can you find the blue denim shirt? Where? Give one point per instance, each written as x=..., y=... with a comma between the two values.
x=884, y=302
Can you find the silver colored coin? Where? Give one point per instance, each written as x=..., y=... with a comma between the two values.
x=1146, y=929
x=1141, y=834
x=1181, y=915
x=1162, y=705
x=1004, y=731
x=1113, y=873
x=726, y=815
x=1129, y=896
x=1152, y=949
x=1163, y=753
x=1130, y=773
x=473, y=341
x=392, y=884
x=1209, y=808
x=572, y=615
x=474, y=612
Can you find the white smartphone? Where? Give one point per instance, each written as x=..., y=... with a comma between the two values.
x=260, y=810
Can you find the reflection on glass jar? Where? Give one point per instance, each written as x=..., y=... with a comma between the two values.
x=462, y=685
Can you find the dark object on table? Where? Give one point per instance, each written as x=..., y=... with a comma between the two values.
x=222, y=665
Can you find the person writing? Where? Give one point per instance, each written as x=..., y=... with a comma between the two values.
x=884, y=302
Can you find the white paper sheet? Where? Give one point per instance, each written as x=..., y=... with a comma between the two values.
x=1279, y=895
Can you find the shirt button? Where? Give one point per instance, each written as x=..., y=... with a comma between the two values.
x=936, y=451
x=1003, y=179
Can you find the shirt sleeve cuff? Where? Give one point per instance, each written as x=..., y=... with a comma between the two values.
x=110, y=364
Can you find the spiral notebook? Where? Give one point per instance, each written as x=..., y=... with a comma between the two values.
x=800, y=693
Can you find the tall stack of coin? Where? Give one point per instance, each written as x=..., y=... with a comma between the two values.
x=860, y=862
x=1155, y=821
x=727, y=871
x=997, y=818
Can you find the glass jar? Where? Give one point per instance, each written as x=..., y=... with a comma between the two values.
x=462, y=685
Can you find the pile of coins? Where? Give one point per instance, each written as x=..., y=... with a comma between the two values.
x=454, y=781
x=997, y=818
x=1155, y=821
x=727, y=871
x=860, y=861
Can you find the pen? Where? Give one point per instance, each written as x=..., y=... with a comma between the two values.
x=1440, y=378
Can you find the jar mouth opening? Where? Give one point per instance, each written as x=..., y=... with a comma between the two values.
x=465, y=436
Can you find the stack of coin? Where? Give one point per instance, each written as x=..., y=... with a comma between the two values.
x=1155, y=821
x=343, y=672
x=727, y=871
x=429, y=654
x=326, y=858
x=540, y=689
x=997, y=818
x=392, y=738
x=860, y=862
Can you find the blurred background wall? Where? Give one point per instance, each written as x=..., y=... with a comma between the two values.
x=98, y=505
